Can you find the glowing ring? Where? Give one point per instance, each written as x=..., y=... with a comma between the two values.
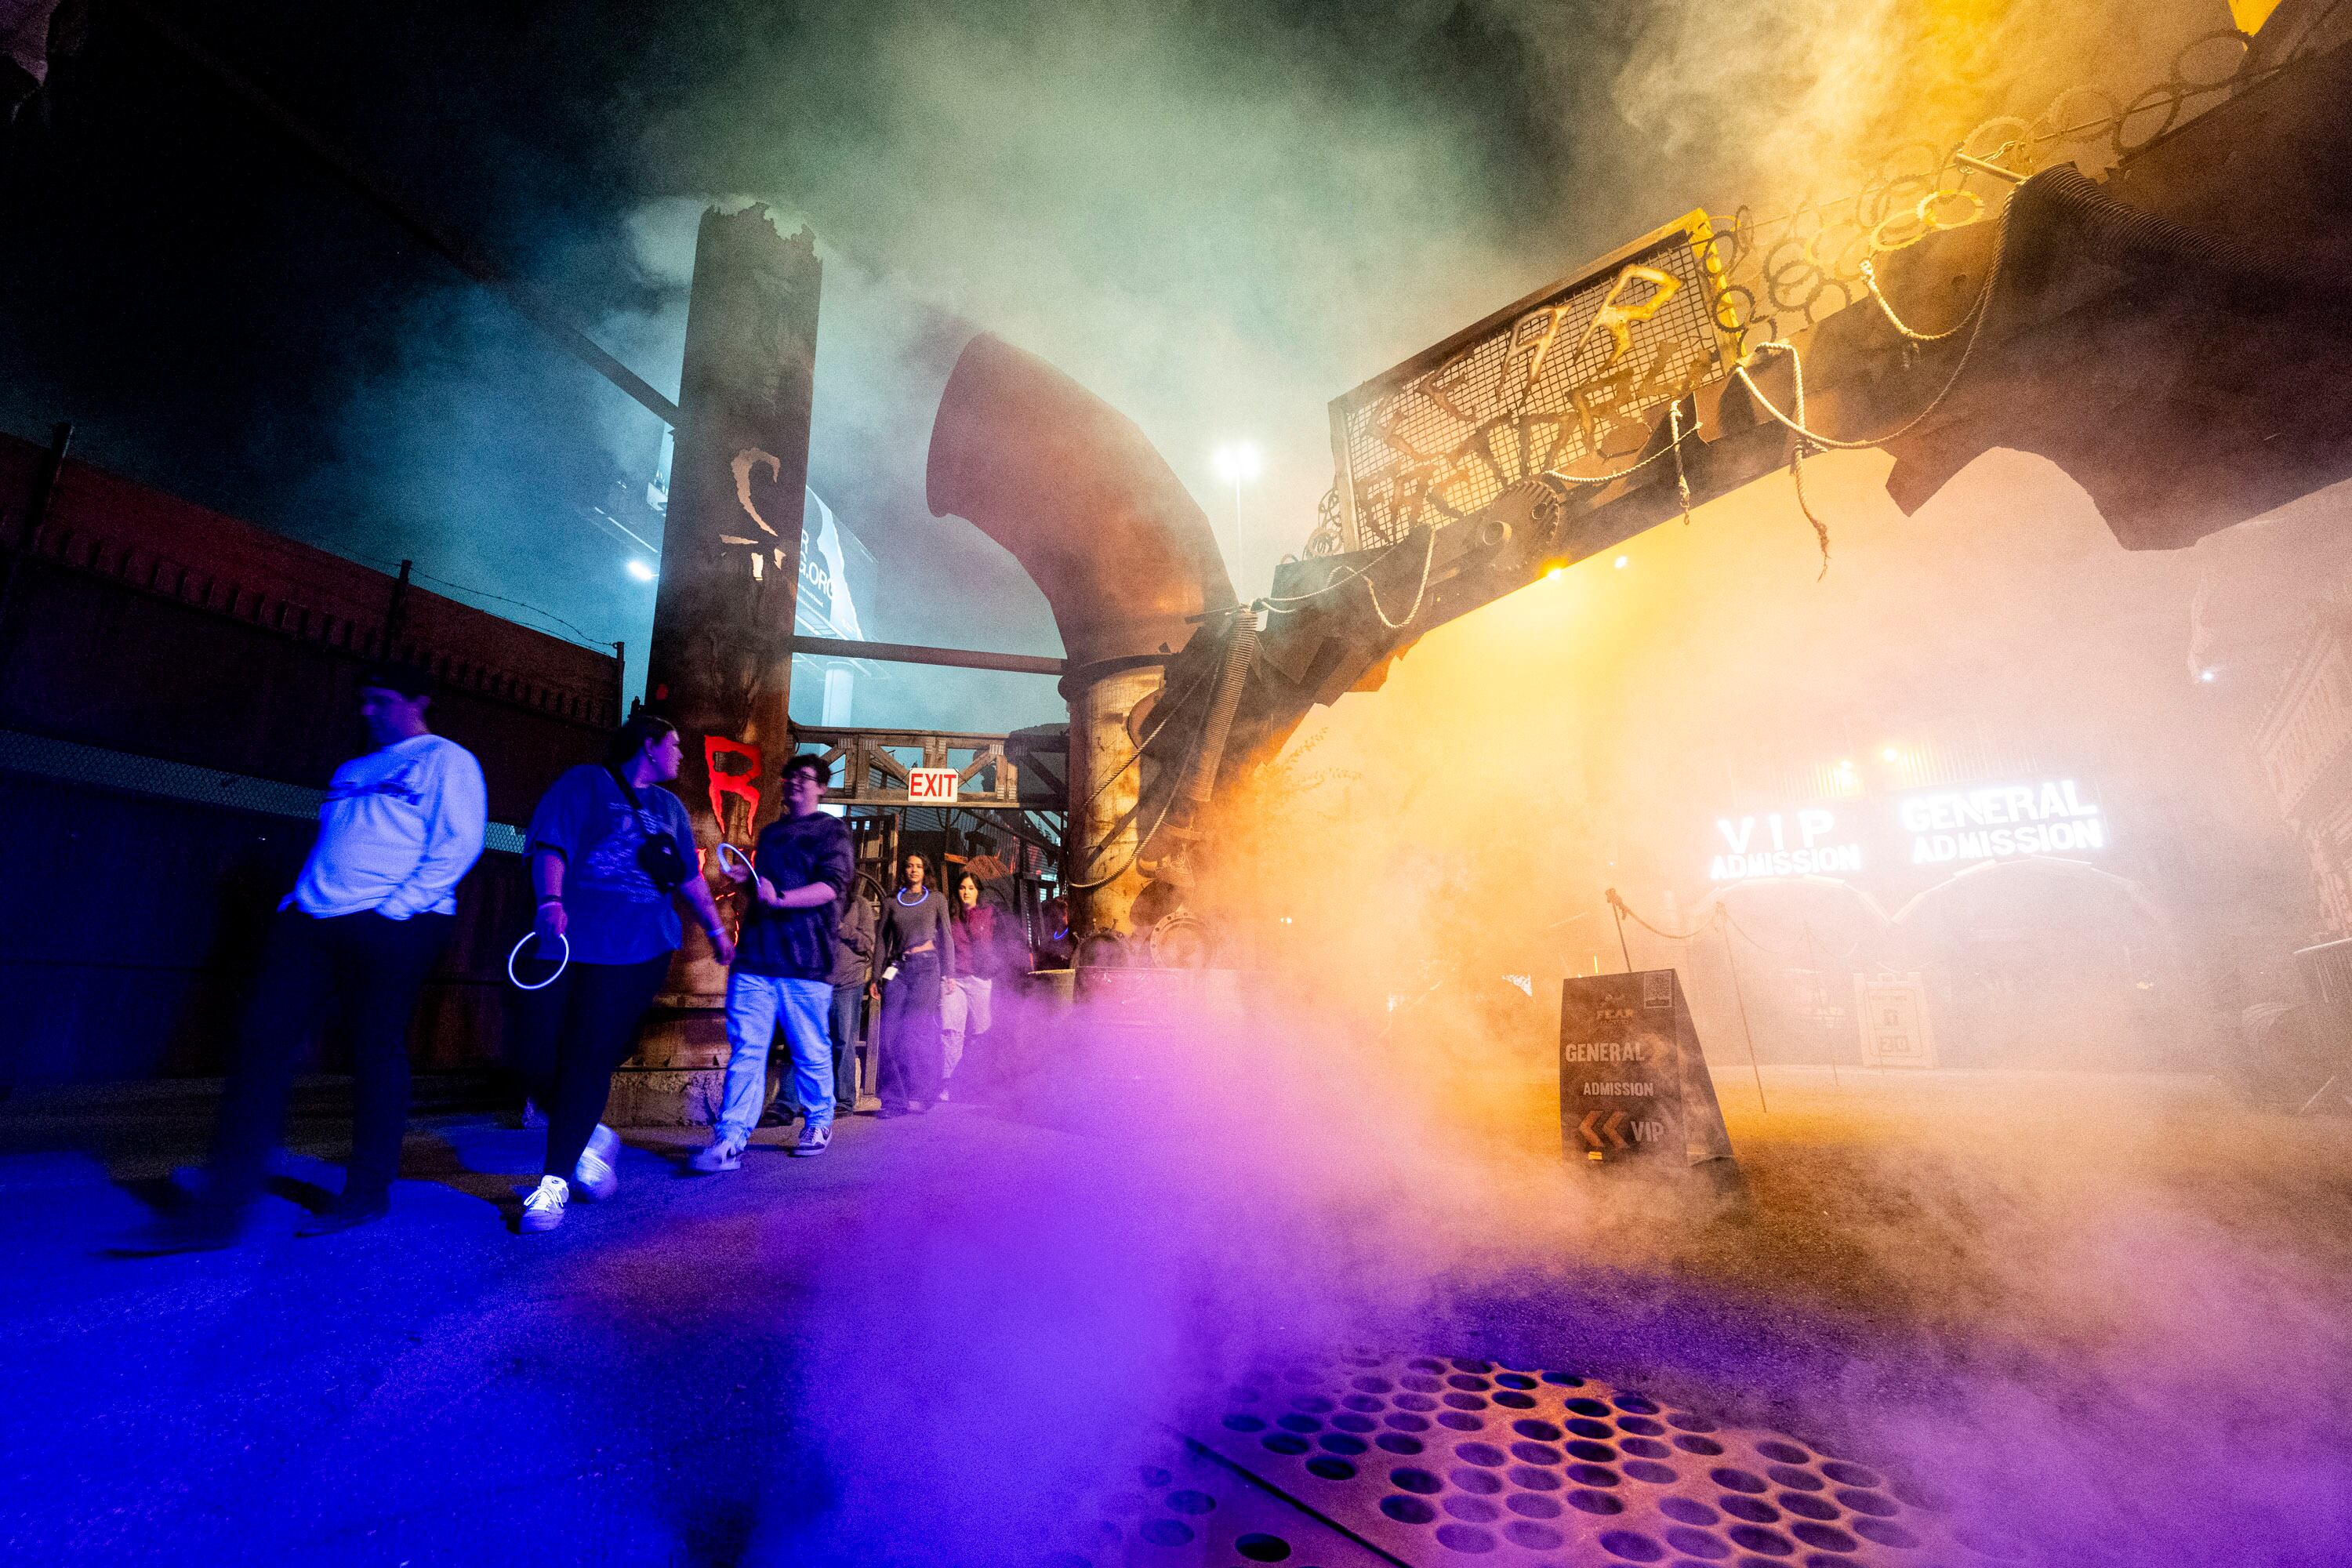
x=561, y=964
x=725, y=849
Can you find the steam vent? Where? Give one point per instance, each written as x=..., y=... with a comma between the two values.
x=1367, y=1459
x=1431, y=783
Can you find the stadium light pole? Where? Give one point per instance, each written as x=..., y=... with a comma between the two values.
x=1238, y=461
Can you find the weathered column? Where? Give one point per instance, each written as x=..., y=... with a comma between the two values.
x=1105, y=782
x=720, y=666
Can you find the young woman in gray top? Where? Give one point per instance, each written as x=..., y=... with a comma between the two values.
x=912, y=950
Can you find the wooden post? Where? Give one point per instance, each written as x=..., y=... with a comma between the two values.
x=719, y=666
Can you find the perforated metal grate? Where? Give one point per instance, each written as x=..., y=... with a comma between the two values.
x=1573, y=380
x=1185, y=1508
x=1431, y=1461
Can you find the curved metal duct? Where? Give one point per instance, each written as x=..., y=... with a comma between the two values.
x=1082, y=500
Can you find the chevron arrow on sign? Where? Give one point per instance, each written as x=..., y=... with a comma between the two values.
x=1616, y=1120
x=1591, y=1134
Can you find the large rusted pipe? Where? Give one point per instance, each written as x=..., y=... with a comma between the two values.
x=1124, y=555
x=1083, y=501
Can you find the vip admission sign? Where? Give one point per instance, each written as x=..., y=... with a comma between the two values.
x=1633, y=1084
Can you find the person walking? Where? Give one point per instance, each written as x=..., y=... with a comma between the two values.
x=1057, y=948
x=916, y=948
x=367, y=918
x=964, y=996
x=853, y=972
x=784, y=968
x=610, y=855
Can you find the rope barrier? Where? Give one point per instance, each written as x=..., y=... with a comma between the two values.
x=1617, y=902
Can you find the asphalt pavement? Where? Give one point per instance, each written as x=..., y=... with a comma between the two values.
x=2107, y=1314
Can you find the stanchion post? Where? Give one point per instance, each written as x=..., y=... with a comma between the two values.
x=1732, y=960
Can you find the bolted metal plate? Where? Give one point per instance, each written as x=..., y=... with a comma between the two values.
x=1450, y=1462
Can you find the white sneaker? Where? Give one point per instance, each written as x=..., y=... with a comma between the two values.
x=593, y=1176
x=814, y=1138
x=543, y=1210
x=717, y=1156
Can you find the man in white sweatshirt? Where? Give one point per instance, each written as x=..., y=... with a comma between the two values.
x=367, y=918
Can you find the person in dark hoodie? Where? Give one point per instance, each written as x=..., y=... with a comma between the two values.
x=784, y=968
x=852, y=971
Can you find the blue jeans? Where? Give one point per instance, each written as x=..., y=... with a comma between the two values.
x=756, y=1003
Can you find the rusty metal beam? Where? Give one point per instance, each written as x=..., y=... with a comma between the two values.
x=911, y=653
x=527, y=301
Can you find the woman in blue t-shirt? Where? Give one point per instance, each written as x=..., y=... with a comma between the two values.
x=609, y=853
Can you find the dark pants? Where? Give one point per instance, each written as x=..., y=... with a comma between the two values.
x=568, y=1038
x=912, y=1063
x=842, y=1024
x=847, y=1003
x=369, y=968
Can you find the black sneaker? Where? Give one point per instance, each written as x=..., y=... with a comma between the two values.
x=347, y=1213
x=178, y=1233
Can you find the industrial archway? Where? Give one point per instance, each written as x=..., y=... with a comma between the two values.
x=2046, y=963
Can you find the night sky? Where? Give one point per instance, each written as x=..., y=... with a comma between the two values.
x=1217, y=215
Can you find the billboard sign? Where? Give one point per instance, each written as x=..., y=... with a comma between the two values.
x=826, y=606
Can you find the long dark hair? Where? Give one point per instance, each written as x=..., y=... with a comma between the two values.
x=984, y=898
x=631, y=738
x=915, y=854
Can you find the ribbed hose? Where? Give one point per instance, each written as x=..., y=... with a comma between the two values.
x=1201, y=778
x=2129, y=237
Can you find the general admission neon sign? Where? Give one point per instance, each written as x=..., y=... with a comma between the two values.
x=2001, y=822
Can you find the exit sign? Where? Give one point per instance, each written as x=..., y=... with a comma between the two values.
x=932, y=787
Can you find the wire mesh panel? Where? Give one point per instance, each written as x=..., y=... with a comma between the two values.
x=1433, y=1461
x=1573, y=377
